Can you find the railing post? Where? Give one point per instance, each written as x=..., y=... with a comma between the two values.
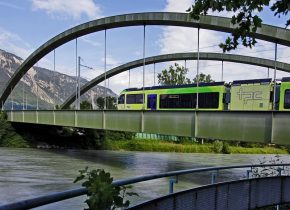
x=53, y=111
x=214, y=176
x=22, y=115
x=142, y=121
x=249, y=172
x=279, y=171
x=172, y=181
x=104, y=119
x=76, y=118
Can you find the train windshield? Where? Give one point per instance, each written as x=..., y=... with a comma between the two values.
x=121, y=99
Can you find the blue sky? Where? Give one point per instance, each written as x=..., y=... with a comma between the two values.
x=27, y=24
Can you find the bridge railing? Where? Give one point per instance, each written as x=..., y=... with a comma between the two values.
x=249, y=126
x=55, y=197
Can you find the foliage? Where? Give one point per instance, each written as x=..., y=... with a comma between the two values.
x=175, y=75
x=85, y=105
x=171, y=146
x=110, y=102
x=8, y=136
x=266, y=171
x=100, y=102
x=245, y=18
x=102, y=193
x=226, y=148
x=119, y=135
x=203, y=78
x=217, y=146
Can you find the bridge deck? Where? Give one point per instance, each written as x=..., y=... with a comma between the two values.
x=250, y=126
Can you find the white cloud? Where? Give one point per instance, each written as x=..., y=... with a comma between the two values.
x=111, y=62
x=10, y=5
x=178, y=39
x=12, y=43
x=90, y=42
x=68, y=8
x=181, y=39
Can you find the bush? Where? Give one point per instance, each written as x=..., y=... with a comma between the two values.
x=102, y=193
x=217, y=146
x=226, y=148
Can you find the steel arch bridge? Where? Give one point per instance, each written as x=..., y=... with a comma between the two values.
x=178, y=56
x=266, y=32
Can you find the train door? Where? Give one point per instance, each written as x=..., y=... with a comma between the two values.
x=151, y=101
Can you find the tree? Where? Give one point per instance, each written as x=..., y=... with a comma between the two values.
x=176, y=75
x=85, y=105
x=203, y=78
x=245, y=17
x=100, y=102
x=110, y=102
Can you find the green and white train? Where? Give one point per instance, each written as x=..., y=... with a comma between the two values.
x=249, y=95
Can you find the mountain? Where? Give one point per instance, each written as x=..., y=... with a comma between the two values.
x=47, y=87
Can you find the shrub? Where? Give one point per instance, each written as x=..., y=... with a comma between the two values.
x=226, y=148
x=102, y=193
x=217, y=146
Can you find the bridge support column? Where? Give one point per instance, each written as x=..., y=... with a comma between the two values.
x=144, y=40
x=129, y=78
x=275, y=69
x=222, y=70
x=105, y=69
x=197, y=69
x=154, y=73
x=53, y=80
x=76, y=46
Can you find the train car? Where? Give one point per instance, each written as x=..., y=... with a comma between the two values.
x=250, y=95
x=256, y=94
x=284, y=97
x=211, y=96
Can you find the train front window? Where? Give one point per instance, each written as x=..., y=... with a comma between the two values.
x=287, y=99
x=121, y=99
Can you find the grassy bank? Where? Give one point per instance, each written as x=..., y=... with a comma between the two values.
x=165, y=146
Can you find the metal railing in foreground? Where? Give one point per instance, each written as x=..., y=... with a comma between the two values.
x=55, y=197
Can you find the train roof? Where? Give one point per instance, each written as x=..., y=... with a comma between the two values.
x=202, y=84
x=251, y=81
x=286, y=79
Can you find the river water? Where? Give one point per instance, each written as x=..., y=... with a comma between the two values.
x=26, y=173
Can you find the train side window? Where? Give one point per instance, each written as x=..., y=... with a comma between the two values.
x=287, y=99
x=188, y=101
x=121, y=99
x=134, y=99
x=208, y=100
x=177, y=101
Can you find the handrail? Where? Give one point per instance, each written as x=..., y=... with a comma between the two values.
x=59, y=196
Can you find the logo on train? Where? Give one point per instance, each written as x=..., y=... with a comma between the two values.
x=249, y=95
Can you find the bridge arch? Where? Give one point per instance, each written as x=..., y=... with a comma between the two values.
x=266, y=32
x=174, y=57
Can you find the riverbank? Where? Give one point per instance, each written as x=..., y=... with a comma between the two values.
x=165, y=146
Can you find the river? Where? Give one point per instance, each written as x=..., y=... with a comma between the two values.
x=26, y=173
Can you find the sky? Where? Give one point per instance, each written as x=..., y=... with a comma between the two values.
x=27, y=24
